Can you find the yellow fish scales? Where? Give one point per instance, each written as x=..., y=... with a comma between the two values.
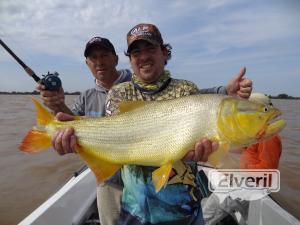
x=159, y=133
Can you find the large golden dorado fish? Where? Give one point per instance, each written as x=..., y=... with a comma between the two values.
x=159, y=133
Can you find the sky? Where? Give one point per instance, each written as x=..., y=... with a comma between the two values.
x=211, y=39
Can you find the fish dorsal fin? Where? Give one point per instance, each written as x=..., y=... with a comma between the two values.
x=101, y=168
x=161, y=175
x=131, y=105
x=44, y=117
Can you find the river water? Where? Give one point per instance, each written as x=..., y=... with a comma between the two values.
x=28, y=180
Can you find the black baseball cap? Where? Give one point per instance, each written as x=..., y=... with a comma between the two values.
x=99, y=41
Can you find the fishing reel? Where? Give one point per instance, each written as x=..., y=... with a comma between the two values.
x=51, y=81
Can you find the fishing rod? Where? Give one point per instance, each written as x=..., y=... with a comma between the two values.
x=51, y=80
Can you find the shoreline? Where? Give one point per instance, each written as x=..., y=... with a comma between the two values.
x=280, y=96
x=34, y=93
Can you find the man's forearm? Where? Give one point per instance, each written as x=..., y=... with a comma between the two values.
x=215, y=90
x=63, y=108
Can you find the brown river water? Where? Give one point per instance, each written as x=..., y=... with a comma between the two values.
x=28, y=180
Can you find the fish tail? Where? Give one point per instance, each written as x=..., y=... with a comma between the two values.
x=37, y=140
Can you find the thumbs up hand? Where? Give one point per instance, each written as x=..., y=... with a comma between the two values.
x=239, y=85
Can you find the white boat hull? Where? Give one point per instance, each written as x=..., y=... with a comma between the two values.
x=70, y=205
x=75, y=201
x=266, y=211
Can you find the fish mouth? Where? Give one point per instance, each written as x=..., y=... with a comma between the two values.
x=274, y=124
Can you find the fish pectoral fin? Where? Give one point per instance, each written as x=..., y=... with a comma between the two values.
x=161, y=175
x=35, y=141
x=127, y=106
x=101, y=168
x=216, y=157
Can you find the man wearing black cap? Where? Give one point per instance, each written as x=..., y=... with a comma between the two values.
x=101, y=58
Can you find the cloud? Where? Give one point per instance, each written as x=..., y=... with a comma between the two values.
x=57, y=28
x=62, y=28
x=239, y=29
x=208, y=36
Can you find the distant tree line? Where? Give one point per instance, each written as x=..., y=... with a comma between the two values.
x=33, y=93
x=280, y=96
x=283, y=96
